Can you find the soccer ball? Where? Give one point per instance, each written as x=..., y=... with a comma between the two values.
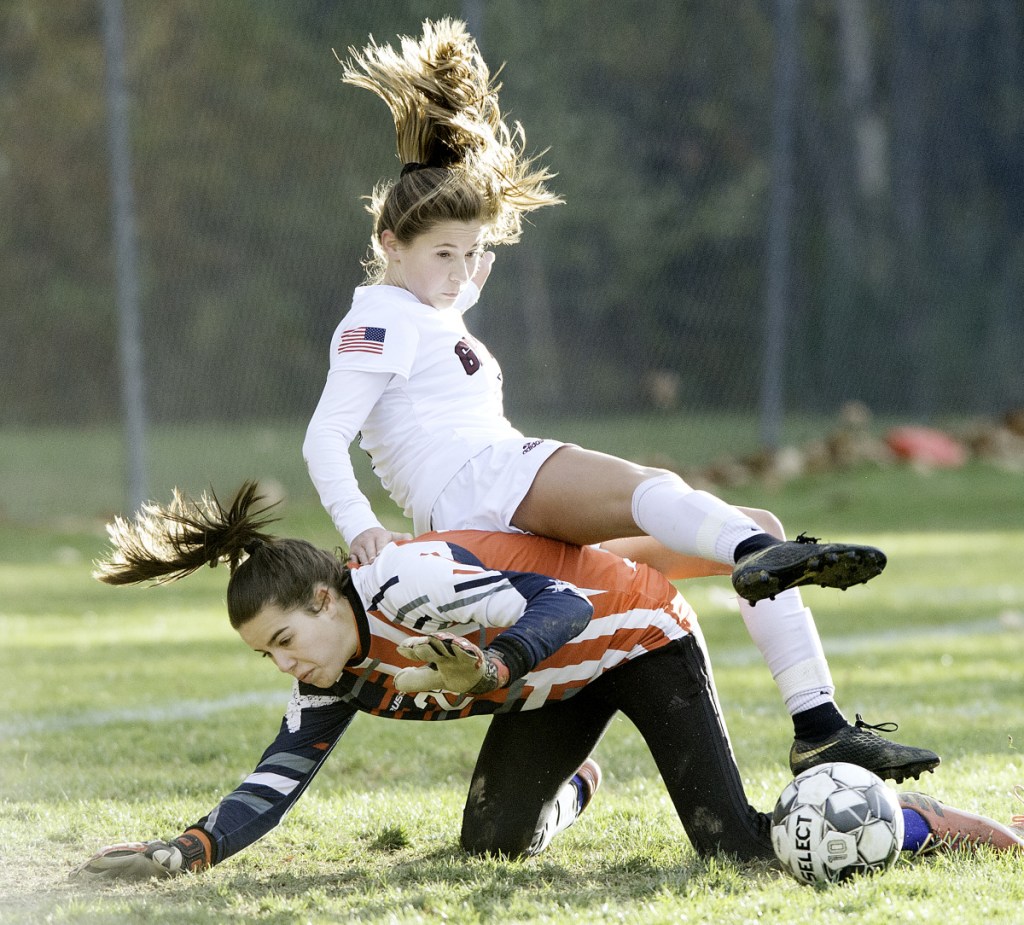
x=835, y=821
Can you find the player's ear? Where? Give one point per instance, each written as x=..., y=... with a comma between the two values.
x=389, y=241
x=322, y=597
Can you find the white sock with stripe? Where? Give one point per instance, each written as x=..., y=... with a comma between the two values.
x=690, y=521
x=786, y=636
x=564, y=812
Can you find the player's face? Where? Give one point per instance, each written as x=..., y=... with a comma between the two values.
x=310, y=643
x=436, y=266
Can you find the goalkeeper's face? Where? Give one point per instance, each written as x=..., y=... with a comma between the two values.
x=311, y=643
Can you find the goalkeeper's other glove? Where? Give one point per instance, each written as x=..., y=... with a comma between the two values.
x=453, y=664
x=141, y=860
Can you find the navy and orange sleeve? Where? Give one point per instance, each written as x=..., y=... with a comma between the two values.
x=307, y=735
x=555, y=612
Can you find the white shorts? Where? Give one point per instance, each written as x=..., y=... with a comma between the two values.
x=485, y=493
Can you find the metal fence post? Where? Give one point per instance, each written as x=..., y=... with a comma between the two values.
x=125, y=254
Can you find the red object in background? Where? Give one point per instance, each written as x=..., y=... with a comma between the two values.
x=927, y=446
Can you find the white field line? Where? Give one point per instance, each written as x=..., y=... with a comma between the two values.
x=180, y=710
x=169, y=711
x=866, y=642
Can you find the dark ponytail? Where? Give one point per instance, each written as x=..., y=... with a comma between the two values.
x=167, y=542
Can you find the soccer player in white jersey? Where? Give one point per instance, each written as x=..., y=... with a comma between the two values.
x=425, y=399
x=549, y=640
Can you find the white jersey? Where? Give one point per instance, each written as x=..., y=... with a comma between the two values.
x=422, y=393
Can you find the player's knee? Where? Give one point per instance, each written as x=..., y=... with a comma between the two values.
x=495, y=824
x=494, y=839
x=766, y=520
x=748, y=839
x=653, y=472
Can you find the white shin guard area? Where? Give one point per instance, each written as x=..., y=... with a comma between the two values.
x=690, y=521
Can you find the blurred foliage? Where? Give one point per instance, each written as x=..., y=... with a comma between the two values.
x=251, y=158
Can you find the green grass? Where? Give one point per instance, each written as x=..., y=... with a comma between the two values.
x=128, y=712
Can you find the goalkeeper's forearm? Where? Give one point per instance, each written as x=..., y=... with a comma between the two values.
x=553, y=616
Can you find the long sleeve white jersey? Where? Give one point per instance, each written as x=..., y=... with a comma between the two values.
x=421, y=392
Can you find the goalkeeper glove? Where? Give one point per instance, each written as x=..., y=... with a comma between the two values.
x=453, y=664
x=141, y=860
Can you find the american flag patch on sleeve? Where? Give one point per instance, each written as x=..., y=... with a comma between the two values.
x=362, y=340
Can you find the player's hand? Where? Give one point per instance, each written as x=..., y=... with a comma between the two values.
x=367, y=546
x=453, y=664
x=483, y=269
x=141, y=860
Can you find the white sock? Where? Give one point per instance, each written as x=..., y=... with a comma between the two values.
x=564, y=812
x=690, y=521
x=697, y=523
x=784, y=632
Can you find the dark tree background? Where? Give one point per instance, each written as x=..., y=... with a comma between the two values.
x=647, y=289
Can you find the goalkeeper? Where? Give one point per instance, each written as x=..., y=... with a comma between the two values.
x=447, y=626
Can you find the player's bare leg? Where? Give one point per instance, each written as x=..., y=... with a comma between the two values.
x=584, y=497
x=946, y=828
x=675, y=566
x=581, y=496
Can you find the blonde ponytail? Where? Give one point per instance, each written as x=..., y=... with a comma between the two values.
x=463, y=163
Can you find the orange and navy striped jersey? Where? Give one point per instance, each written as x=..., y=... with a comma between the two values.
x=482, y=585
x=570, y=613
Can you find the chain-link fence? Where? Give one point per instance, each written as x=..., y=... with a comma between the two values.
x=857, y=178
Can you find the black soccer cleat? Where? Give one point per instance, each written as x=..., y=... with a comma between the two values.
x=858, y=745
x=804, y=561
